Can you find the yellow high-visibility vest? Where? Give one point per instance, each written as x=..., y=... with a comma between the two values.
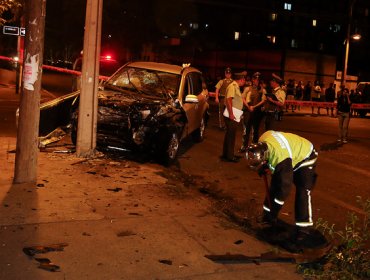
x=282, y=145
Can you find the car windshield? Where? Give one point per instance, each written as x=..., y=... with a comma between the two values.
x=145, y=81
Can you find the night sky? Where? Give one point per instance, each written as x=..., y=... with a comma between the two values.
x=128, y=24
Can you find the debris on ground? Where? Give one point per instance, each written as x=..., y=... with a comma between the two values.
x=125, y=233
x=54, y=136
x=168, y=262
x=115, y=190
x=45, y=263
x=33, y=250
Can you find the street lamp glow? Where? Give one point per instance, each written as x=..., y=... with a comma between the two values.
x=356, y=36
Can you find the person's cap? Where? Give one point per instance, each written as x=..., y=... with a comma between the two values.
x=276, y=78
x=256, y=75
x=228, y=70
x=240, y=75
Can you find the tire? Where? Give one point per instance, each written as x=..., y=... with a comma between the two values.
x=169, y=151
x=198, y=134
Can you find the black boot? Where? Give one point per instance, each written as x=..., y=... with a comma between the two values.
x=269, y=219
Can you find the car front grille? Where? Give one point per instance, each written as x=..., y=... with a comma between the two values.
x=113, y=126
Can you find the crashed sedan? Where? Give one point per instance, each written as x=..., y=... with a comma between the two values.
x=147, y=107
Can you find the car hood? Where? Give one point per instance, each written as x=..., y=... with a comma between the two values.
x=112, y=98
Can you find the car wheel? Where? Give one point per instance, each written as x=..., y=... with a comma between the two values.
x=198, y=134
x=173, y=146
x=169, y=151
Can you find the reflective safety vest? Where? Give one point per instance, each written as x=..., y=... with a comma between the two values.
x=282, y=145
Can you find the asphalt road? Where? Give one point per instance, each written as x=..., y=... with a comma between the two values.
x=343, y=170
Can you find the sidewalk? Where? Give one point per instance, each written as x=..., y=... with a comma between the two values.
x=117, y=219
x=121, y=220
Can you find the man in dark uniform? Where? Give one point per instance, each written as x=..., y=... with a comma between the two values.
x=274, y=102
x=252, y=99
x=290, y=159
x=221, y=87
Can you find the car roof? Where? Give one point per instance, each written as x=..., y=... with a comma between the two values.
x=165, y=67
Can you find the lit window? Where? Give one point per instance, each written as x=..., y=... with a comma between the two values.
x=288, y=6
x=236, y=35
x=273, y=16
x=294, y=43
x=314, y=22
x=271, y=39
x=195, y=25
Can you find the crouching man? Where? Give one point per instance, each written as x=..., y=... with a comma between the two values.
x=289, y=159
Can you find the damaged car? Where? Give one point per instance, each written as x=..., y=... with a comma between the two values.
x=144, y=106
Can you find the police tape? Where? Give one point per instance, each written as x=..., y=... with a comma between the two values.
x=6, y=58
x=68, y=71
x=318, y=104
x=56, y=69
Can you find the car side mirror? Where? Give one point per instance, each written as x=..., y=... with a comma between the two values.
x=191, y=98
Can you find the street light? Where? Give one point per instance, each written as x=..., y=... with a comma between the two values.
x=355, y=36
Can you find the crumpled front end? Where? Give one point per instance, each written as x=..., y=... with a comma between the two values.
x=136, y=126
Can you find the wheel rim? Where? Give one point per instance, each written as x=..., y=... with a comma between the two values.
x=202, y=128
x=173, y=146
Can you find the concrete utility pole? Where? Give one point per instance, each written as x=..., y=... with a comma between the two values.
x=88, y=109
x=29, y=112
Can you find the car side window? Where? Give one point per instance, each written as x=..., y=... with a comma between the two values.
x=197, y=83
x=194, y=84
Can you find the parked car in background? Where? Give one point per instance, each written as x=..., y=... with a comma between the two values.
x=107, y=66
x=144, y=106
x=363, y=89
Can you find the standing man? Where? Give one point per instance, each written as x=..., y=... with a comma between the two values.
x=343, y=113
x=330, y=97
x=220, y=95
x=252, y=116
x=232, y=114
x=274, y=102
x=290, y=159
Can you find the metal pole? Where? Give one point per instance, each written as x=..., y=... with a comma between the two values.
x=348, y=37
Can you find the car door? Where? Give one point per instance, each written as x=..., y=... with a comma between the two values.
x=194, y=110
